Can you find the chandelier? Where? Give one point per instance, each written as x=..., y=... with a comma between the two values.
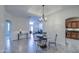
x=43, y=15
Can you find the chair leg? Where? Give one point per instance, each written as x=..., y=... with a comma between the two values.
x=55, y=44
x=48, y=45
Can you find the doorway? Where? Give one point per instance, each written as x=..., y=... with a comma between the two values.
x=36, y=25
x=8, y=39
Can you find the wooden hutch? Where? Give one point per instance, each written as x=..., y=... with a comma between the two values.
x=72, y=28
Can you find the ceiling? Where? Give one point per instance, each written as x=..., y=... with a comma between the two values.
x=32, y=10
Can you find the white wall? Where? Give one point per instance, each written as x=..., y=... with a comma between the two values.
x=2, y=11
x=18, y=23
x=1, y=21
x=56, y=23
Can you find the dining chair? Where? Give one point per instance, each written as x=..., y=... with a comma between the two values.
x=53, y=42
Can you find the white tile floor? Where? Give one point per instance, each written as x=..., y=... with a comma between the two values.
x=29, y=46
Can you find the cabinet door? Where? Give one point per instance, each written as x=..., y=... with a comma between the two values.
x=74, y=24
x=78, y=35
x=68, y=24
x=74, y=35
x=68, y=34
x=77, y=24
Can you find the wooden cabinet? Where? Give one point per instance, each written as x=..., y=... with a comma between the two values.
x=68, y=24
x=68, y=34
x=73, y=24
x=78, y=24
x=77, y=35
x=72, y=35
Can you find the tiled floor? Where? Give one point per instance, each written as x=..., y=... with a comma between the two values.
x=25, y=46
x=30, y=46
